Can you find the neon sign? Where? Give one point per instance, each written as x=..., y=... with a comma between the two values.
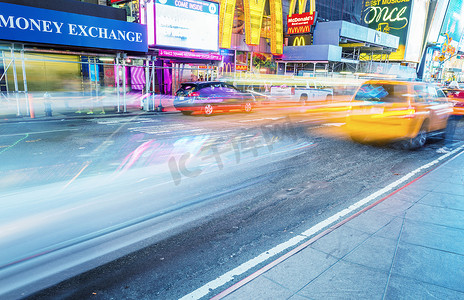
x=377, y=14
x=389, y=16
x=254, y=11
x=299, y=41
x=277, y=27
x=301, y=22
x=226, y=21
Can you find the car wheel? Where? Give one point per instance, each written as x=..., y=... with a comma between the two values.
x=358, y=138
x=416, y=142
x=303, y=99
x=419, y=140
x=208, y=109
x=187, y=113
x=247, y=107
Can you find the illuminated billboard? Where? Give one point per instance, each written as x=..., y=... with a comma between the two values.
x=389, y=16
x=453, y=24
x=188, y=24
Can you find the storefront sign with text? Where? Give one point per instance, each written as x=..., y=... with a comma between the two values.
x=300, y=23
x=36, y=25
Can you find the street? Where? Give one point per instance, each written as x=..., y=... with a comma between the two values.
x=177, y=200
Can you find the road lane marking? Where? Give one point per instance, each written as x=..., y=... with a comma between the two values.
x=15, y=143
x=307, y=234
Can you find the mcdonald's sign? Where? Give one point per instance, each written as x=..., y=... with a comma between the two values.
x=228, y=68
x=301, y=22
x=254, y=12
x=299, y=40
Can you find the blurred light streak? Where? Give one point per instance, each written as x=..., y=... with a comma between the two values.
x=77, y=175
x=133, y=157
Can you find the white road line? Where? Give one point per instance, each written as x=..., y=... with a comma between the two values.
x=39, y=132
x=305, y=235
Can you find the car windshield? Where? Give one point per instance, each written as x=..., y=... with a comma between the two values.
x=382, y=93
x=186, y=89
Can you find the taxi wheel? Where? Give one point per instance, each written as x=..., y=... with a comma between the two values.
x=208, y=109
x=419, y=140
x=414, y=143
x=358, y=138
x=247, y=107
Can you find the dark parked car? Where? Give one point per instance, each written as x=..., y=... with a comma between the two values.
x=210, y=97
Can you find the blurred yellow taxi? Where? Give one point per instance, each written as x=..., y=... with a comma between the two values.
x=401, y=112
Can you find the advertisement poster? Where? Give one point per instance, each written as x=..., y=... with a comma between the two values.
x=228, y=60
x=453, y=24
x=263, y=63
x=189, y=24
x=389, y=16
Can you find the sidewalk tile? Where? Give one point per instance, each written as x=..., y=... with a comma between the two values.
x=454, y=178
x=391, y=230
x=443, y=200
x=441, y=216
x=411, y=193
x=449, y=188
x=340, y=241
x=417, y=188
x=347, y=281
x=405, y=288
x=376, y=253
x=369, y=221
x=434, y=236
x=260, y=288
x=295, y=272
x=298, y=297
x=431, y=266
x=393, y=206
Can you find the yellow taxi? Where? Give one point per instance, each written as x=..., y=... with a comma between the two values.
x=401, y=112
x=456, y=96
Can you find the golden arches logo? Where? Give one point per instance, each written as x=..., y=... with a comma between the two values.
x=299, y=41
x=227, y=68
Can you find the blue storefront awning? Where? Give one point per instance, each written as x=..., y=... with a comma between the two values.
x=36, y=25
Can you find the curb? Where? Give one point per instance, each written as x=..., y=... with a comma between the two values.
x=85, y=116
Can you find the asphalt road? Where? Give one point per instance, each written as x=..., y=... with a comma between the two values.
x=241, y=184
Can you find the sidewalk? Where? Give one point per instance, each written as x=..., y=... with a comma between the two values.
x=84, y=115
x=63, y=106
x=409, y=246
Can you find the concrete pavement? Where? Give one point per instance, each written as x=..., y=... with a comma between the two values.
x=410, y=245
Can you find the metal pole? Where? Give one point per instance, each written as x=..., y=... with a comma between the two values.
x=147, y=82
x=153, y=74
x=6, y=74
x=235, y=63
x=25, y=80
x=15, y=77
x=96, y=82
x=124, y=83
x=117, y=81
x=251, y=61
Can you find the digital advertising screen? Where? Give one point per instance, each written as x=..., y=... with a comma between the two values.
x=188, y=24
